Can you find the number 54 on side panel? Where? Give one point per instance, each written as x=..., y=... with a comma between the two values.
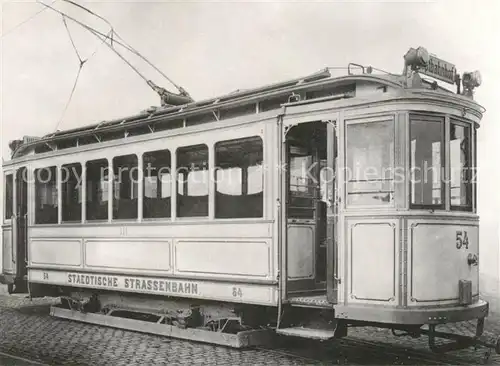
x=462, y=240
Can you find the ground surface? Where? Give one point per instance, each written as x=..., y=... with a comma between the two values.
x=27, y=331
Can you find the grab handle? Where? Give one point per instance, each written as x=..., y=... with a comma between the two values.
x=13, y=239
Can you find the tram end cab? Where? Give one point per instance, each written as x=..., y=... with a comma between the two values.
x=402, y=210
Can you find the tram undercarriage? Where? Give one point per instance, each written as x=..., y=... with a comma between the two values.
x=233, y=325
x=238, y=325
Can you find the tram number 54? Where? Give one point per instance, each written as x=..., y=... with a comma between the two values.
x=462, y=240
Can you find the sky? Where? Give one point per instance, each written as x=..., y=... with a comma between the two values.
x=215, y=47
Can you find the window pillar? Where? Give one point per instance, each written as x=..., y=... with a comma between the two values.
x=83, y=184
x=111, y=180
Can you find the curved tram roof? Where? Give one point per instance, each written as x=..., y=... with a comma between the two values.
x=341, y=87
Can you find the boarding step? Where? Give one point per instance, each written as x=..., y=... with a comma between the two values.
x=312, y=333
x=317, y=301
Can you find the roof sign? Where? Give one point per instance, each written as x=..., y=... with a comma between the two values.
x=440, y=69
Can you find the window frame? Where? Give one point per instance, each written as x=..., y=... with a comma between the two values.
x=114, y=185
x=5, y=195
x=58, y=190
x=61, y=189
x=103, y=190
x=474, y=128
x=142, y=193
x=213, y=175
x=392, y=118
x=471, y=185
x=297, y=195
x=85, y=166
x=180, y=149
x=434, y=118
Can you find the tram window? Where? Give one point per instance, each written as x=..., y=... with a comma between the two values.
x=370, y=163
x=225, y=113
x=168, y=125
x=97, y=189
x=125, y=187
x=273, y=103
x=192, y=181
x=157, y=184
x=46, y=211
x=200, y=119
x=71, y=192
x=301, y=196
x=9, y=196
x=326, y=176
x=426, y=162
x=460, y=167
x=239, y=178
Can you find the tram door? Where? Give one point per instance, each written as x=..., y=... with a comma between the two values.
x=306, y=208
x=20, y=231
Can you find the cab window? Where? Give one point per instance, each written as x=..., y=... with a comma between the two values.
x=426, y=161
x=461, y=173
x=370, y=163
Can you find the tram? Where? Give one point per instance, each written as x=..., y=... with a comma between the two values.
x=300, y=208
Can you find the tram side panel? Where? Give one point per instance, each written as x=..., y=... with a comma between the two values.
x=443, y=264
x=372, y=261
x=401, y=261
x=225, y=260
x=190, y=260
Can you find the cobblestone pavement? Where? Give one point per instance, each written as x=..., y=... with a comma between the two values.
x=27, y=330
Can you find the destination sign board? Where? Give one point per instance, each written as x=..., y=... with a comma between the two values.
x=440, y=69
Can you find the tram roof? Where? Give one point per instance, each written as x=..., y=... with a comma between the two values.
x=238, y=98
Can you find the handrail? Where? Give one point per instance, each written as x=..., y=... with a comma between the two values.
x=25, y=222
x=13, y=238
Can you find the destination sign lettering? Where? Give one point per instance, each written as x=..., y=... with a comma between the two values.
x=133, y=283
x=440, y=69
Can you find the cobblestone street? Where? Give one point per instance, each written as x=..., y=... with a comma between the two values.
x=27, y=330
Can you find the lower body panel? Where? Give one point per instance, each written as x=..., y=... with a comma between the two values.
x=430, y=315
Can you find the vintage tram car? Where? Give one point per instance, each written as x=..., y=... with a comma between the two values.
x=302, y=207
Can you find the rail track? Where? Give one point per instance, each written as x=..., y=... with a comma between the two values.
x=358, y=351
x=7, y=359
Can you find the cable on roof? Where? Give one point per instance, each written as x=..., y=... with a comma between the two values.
x=122, y=43
x=72, y=42
x=70, y=96
x=25, y=21
x=80, y=67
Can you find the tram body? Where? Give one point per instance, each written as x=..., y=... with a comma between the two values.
x=351, y=199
